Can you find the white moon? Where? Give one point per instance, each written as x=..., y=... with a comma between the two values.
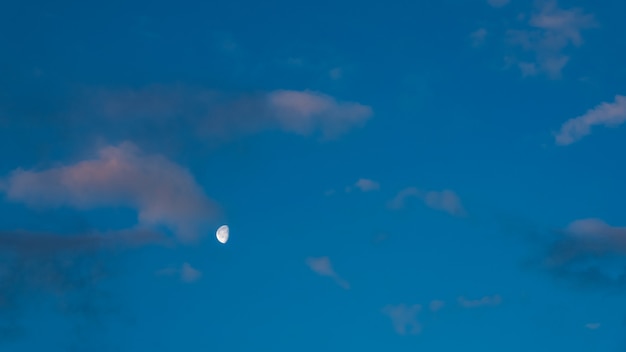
x=222, y=234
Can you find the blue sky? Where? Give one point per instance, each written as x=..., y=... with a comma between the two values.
x=396, y=176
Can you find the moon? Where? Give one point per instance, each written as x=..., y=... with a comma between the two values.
x=222, y=234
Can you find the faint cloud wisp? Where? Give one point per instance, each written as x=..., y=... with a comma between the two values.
x=404, y=318
x=606, y=114
x=445, y=200
x=551, y=31
x=323, y=267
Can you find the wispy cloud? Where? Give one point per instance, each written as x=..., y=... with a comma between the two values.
x=219, y=115
x=186, y=272
x=163, y=192
x=606, y=114
x=475, y=303
x=404, y=318
x=478, y=37
x=592, y=326
x=445, y=200
x=302, y=112
x=364, y=185
x=323, y=267
x=498, y=3
x=335, y=73
x=550, y=31
x=66, y=269
x=436, y=305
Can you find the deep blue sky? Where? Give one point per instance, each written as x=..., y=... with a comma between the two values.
x=397, y=176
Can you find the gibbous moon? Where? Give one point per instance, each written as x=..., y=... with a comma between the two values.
x=222, y=234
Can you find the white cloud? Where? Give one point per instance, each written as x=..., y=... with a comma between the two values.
x=445, y=200
x=404, y=318
x=323, y=267
x=592, y=326
x=606, y=114
x=161, y=191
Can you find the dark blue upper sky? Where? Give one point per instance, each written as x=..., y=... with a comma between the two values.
x=396, y=176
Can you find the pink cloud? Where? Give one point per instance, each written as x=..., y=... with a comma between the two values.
x=227, y=116
x=606, y=114
x=163, y=192
x=323, y=267
x=302, y=112
x=404, y=318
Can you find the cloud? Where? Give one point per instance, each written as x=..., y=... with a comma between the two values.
x=302, y=112
x=336, y=73
x=436, y=305
x=550, y=31
x=606, y=114
x=485, y=301
x=323, y=267
x=589, y=252
x=364, y=185
x=445, y=200
x=226, y=116
x=189, y=274
x=478, y=37
x=498, y=3
x=161, y=191
x=66, y=270
x=186, y=272
x=399, y=201
x=592, y=326
x=404, y=318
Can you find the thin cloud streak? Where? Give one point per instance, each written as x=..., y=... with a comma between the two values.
x=606, y=114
